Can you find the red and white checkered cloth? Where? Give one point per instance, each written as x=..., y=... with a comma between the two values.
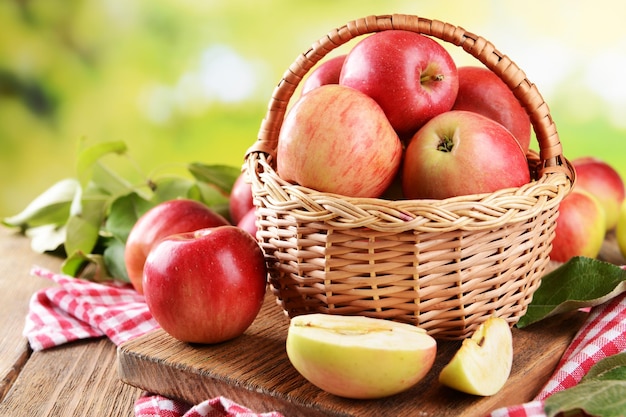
x=79, y=309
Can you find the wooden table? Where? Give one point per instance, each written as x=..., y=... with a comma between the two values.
x=76, y=379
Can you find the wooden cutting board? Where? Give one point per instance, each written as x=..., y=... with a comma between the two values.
x=254, y=371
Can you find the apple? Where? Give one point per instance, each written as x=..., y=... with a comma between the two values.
x=205, y=286
x=325, y=73
x=482, y=91
x=240, y=200
x=410, y=75
x=359, y=357
x=248, y=222
x=336, y=139
x=482, y=364
x=620, y=229
x=167, y=218
x=580, y=227
x=461, y=153
x=604, y=182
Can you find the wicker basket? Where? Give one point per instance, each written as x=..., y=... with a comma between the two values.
x=443, y=265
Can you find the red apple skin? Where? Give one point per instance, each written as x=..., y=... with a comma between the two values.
x=167, y=218
x=326, y=72
x=601, y=180
x=240, y=201
x=336, y=139
x=482, y=91
x=411, y=76
x=482, y=157
x=205, y=286
x=248, y=222
x=580, y=227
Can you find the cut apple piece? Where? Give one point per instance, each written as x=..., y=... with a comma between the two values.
x=359, y=357
x=482, y=364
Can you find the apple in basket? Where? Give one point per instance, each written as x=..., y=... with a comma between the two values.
x=604, y=182
x=167, y=218
x=620, y=229
x=325, y=73
x=482, y=364
x=482, y=91
x=580, y=227
x=411, y=76
x=336, y=139
x=206, y=286
x=461, y=153
x=359, y=357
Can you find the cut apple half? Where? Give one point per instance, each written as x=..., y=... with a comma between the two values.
x=482, y=364
x=359, y=357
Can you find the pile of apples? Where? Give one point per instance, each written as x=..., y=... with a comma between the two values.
x=395, y=118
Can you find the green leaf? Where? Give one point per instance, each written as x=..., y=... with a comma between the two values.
x=580, y=282
x=124, y=213
x=77, y=263
x=52, y=207
x=170, y=188
x=596, y=398
x=90, y=155
x=611, y=367
x=46, y=238
x=221, y=176
x=82, y=235
x=108, y=182
x=113, y=257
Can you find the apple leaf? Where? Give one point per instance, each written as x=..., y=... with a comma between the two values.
x=90, y=155
x=221, y=176
x=124, y=213
x=580, y=282
x=601, y=393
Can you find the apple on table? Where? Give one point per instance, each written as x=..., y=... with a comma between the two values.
x=205, y=286
x=462, y=153
x=164, y=219
x=336, y=139
x=411, y=76
x=359, y=357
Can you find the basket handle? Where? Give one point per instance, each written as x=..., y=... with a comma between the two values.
x=550, y=149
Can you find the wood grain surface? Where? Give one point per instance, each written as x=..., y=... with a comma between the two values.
x=254, y=370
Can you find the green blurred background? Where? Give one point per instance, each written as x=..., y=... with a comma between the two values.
x=188, y=80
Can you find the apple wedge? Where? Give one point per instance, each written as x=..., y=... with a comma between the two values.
x=359, y=357
x=482, y=364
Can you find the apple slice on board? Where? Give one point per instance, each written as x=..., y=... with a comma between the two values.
x=359, y=357
x=483, y=363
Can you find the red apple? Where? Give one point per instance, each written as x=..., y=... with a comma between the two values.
x=164, y=219
x=580, y=227
x=461, y=153
x=336, y=139
x=248, y=222
x=604, y=182
x=325, y=73
x=205, y=286
x=482, y=91
x=411, y=76
x=240, y=200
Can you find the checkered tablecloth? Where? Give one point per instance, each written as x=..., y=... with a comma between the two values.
x=78, y=309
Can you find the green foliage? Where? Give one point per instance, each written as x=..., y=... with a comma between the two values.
x=89, y=217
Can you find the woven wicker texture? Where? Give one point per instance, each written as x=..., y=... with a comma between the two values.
x=444, y=265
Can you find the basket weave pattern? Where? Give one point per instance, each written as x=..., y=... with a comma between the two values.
x=444, y=265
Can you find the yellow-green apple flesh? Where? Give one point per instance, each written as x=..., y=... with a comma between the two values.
x=359, y=357
x=240, y=200
x=327, y=72
x=167, y=218
x=462, y=153
x=336, y=139
x=604, y=182
x=580, y=227
x=620, y=229
x=206, y=286
x=411, y=76
x=482, y=91
x=482, y=364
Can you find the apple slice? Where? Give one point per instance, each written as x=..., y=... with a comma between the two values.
x=483, y=363
x=359, y=357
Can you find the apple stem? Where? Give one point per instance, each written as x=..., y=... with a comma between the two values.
x=426, y=78
x=445, y=144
